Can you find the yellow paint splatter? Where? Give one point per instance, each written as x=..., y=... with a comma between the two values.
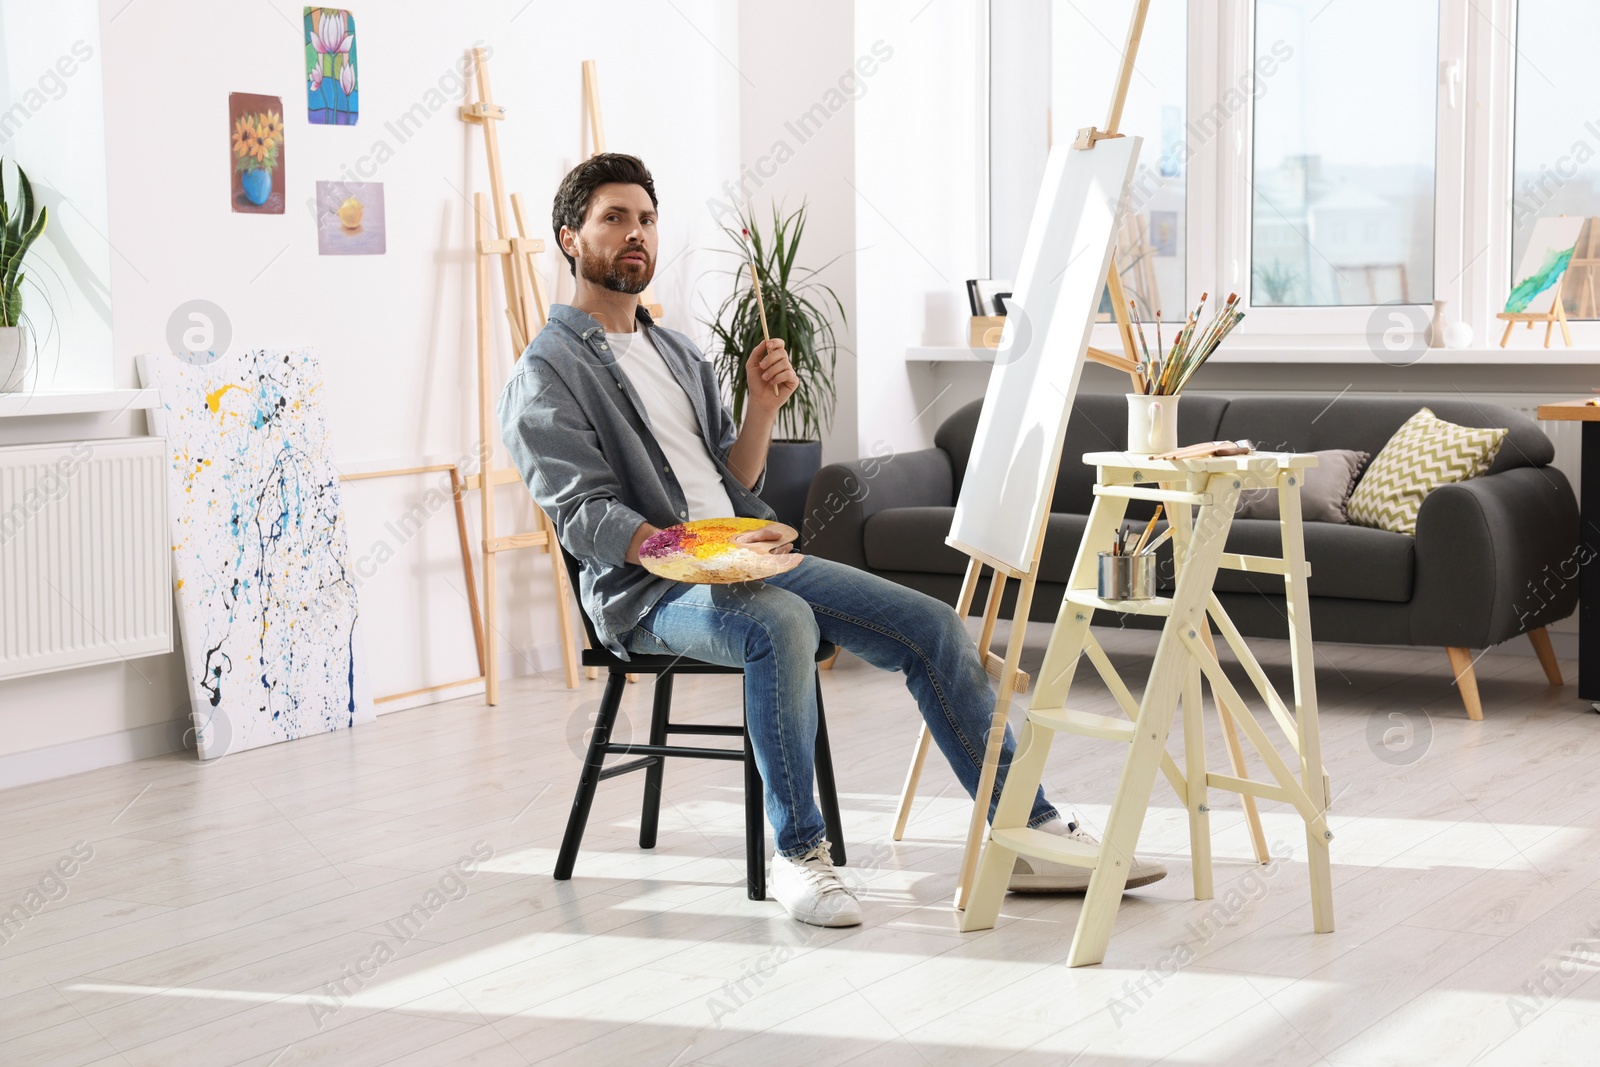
x=214, y=400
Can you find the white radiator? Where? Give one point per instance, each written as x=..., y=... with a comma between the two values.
x=85, y=564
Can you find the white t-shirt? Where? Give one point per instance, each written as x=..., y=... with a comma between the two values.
x=672, y=419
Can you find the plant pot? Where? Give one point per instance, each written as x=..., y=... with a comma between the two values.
x=16, y=359
x=257, y=185
x=791, y=465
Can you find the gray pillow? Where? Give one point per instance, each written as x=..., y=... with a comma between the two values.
x=1324, y=495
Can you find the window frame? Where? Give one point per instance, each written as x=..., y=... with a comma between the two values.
x=1472, y=190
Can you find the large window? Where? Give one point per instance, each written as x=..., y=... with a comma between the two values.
x=1339, y=165
x=1556, y=159
x=1087, y=39
x=1343, y=171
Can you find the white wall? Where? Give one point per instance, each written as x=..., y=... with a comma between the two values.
x=920, y=230
x=394, y=331
x=790, y=153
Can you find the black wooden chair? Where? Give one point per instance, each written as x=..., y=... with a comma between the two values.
x=652, y=756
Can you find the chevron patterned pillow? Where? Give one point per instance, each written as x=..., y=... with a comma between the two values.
x=1425, y=453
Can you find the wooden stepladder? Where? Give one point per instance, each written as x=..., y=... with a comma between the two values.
x=526, y=308
x=597, y=144
x=1006, y=669
x=1199, y=495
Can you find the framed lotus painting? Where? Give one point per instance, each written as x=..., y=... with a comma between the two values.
x=332, y=97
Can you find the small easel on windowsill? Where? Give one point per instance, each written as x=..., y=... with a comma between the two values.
x=1557, y=315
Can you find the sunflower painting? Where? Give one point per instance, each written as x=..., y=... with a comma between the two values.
x=331, y=92
x=255, y=143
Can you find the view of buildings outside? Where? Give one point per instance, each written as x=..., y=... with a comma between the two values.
x=1343, y=174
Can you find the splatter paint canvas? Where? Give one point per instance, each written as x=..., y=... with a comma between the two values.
x=266, y=606
x=332, y=98
x=1544, y=265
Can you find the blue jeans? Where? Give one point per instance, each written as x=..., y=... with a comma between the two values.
x=772, y=628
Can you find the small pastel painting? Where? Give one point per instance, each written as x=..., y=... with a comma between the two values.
x=255, y=125
x=706, y=552
x=350, y=219
x=331, y=92
x=1544, y=265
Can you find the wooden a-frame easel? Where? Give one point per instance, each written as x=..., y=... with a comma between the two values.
x=526, y=310
x=1006, y=670
x=597, y=144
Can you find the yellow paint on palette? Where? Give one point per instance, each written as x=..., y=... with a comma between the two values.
x=214, y=400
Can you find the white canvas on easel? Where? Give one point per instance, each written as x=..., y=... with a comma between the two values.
x=1042, y=349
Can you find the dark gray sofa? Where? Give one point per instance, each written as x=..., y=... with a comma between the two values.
x=1490, y=560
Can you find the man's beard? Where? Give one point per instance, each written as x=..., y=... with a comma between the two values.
x=612, y=273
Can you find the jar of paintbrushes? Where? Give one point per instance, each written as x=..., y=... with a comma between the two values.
x=1153, y=410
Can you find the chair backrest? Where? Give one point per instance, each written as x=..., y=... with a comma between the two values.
x=573, y=568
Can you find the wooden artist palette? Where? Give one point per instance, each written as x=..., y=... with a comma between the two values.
x=704, y=552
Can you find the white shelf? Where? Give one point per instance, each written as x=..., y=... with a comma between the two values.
x=77, y=401
x=1350, y=354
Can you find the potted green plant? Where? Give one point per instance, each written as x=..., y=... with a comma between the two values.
x=800, y=311
x=18, y=230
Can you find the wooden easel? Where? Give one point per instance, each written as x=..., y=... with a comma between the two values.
x=597, y=144
x=1010, y=677
x=457, y=489
x=1200, y=495
x=525, y=311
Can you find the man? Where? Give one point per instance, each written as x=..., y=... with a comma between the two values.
x=618, y=428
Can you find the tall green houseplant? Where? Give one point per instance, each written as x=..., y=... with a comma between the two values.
x=800, y=311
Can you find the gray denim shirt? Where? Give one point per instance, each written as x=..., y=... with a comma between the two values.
x=579, y=434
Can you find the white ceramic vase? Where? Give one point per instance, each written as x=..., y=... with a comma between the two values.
x=1152, y=423
x=16, y=359
x=1445, y=331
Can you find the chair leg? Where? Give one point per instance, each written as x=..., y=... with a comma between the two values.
x=827, y=791
x=755, y=828
x=661, y=707
x=590, y=776
x=1547, y=655
x=1466, y=680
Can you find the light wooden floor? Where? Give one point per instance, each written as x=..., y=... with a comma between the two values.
x=222, y=901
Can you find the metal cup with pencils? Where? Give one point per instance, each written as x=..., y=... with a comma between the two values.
x=1130, y=573
x=1153, y=411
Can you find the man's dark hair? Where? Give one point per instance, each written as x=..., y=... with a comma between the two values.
x=577, y=188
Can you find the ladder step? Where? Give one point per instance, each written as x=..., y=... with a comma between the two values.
x=1156, y=605
x=1169, y=496
x=1083, y=723
x=1047, y=846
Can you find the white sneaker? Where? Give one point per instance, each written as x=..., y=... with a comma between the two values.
x=811, y=891
x=1034, y=875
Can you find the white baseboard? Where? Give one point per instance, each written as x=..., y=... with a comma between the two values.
x=92, y=753
x=163, y=738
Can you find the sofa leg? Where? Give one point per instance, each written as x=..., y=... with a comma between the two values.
x=1466, y=681
x=1547, y=655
